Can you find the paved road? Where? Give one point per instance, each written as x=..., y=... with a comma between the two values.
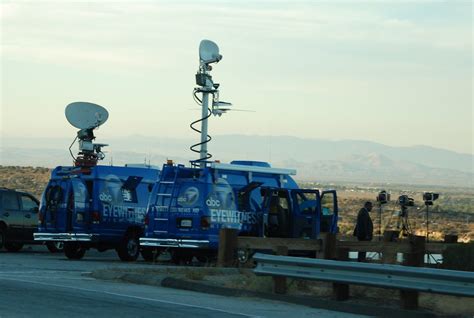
x=36, y=283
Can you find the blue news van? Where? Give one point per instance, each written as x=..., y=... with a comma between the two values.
x=188, y=206
x=100, y=207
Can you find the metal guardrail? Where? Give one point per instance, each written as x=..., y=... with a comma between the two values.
x=440, y=281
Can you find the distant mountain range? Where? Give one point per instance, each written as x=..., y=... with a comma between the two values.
x=315, y=159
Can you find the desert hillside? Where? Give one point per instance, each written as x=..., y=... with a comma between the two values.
x=452, y=213
x=29, y=179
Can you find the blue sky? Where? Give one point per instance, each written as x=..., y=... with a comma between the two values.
x=394, y=72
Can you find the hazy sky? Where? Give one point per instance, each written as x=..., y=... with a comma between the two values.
x=395, y=72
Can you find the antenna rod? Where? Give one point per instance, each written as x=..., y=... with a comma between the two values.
x=205, y=107
x=208, y=54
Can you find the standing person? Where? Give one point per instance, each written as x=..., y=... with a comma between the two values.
x=364, y=228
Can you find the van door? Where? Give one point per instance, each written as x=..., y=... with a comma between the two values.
x=78, y=209
x=54, y=205
x=277, y=212
x=329, y=211
x=306, y=213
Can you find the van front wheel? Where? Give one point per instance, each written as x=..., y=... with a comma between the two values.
x=13, y=246
x=2, y=237
x=73, y=250
x=150, y=254
x=129, y=248
x=55, y=247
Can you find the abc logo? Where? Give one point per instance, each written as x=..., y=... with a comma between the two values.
x=213, y=203
x=105, y=197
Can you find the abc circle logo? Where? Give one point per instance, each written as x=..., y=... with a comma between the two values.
x=105, y=197
x=214, y=203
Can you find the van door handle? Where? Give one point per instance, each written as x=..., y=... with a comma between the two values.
x=6, y=214
x=28, y=216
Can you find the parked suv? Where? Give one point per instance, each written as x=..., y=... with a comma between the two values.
x=19, y=220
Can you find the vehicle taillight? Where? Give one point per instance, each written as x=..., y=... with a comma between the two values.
x=95, y=217
x=205, y=222
x=147, y=219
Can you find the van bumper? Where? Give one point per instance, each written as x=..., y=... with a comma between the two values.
x=66, y=237
x=183, y=243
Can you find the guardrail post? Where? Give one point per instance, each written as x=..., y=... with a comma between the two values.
x=227, y=247
x=388, y=255
x=279, y=282
x=341, y=291
x=416, y=257
x=450, y=238
x=329, y=246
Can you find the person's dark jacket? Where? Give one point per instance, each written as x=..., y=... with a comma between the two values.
x=364, y=228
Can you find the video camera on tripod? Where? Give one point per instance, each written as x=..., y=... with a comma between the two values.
x=429, y=197
x=383, y=197
x=405, y=201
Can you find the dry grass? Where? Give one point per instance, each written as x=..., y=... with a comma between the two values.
x=29, y=179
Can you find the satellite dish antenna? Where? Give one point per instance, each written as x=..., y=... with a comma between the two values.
x=85, y=115
x=209, y=52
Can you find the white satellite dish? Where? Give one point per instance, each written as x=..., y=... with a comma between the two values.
x=85, y=115
x=209, y=52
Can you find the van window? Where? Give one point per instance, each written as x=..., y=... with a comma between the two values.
x=54, y=194
x=327, y=204
x=307, y=202
x=10, y=201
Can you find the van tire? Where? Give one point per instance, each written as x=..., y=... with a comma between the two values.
x=2, y=237
x=129, y=248
x=150, y=254
x=74, y=250
x=55, y=247
x=180, y=257
x=13, y=246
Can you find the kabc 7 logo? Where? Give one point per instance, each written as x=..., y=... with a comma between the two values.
x=105, y=197
x=214, y=203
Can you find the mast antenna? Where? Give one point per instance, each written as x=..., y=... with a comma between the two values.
x=208, y=54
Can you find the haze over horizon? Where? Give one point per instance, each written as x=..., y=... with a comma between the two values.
x=399, y=74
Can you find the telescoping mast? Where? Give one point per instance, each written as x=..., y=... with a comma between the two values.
x=208, y=54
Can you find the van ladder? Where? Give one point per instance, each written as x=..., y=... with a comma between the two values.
x=166, y=190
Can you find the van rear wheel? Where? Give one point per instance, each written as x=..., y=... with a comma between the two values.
x=55, y=247
x=129, y=248
x=74, y=250
x=13, y=246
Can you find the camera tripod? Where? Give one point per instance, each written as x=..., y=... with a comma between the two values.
x=402, y=221
x=427, y=223
x=380, y=222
